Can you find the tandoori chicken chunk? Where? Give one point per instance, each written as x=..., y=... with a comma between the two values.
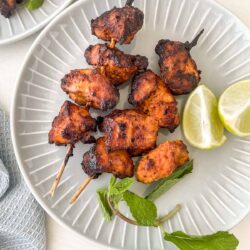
x=150, y=95
x=98, y=160
x=116, y=65
x=129, y=130
x=120, y=24
x=161, y=161
x=73, y=124
x=7, y=7
x=89, y=87
x=178, y=70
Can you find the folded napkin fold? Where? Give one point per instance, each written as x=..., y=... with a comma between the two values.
x=22, y=222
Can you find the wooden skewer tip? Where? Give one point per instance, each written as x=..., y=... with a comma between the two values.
x=190, y=45
x=61, y=170
x=82, y=187
x=102, y=70
x=129, y=2
x=112, y=43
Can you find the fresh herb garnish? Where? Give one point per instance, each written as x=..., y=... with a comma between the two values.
x=147, y=214
x=102, y=197
x=165, y=184
x=33, y=4
x=144, y=212
x=218, y=241
x=118, y=188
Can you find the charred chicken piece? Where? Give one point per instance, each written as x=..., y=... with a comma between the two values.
x=129, y=130
x=150, y=95
x=162, y=161
x=178, y=69
x=120, y=24
x=89, y=87
x=73, y=124
x=7, y=7
x=116, y=65
x=98, y=160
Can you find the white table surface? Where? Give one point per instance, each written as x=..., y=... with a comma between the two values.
x=11, y=58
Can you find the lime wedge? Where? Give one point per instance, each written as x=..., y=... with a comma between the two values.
x=234, y=108
x=201, y=123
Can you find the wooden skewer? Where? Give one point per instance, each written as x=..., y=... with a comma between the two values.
x=82, y=187
x=190, y=45
x=112, y=43
x=102, y=70
x=61, y=169
x=129, y=2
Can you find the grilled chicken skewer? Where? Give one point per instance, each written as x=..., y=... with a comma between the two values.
x=150, y=95
x=116, y=65
x=72, y=124
x=119, y=24
x=98, y=160
x=155, y=165
x=129, y=130
x=161, y=161
x=178, y=69
x=91, y=88
x=95, y=87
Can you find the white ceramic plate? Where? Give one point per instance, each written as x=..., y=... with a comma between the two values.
x=216, y=196
x=24, y=22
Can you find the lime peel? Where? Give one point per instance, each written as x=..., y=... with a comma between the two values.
x=234, y=108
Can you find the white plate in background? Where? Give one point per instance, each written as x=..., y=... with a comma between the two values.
x=23, y=22
x=216, y=196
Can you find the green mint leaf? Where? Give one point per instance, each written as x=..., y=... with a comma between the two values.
x=165, y=184
x=33, y=4
x=143, y=211
x=120, y=187
x=102, y=197
x=218, y=241
x=116, y=189
x=112, y=182
x=116, y=199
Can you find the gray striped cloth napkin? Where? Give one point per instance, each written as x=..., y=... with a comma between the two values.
x=22, y=222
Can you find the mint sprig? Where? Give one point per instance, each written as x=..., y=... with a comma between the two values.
x=218, y=241
x=118, y=188
x=112, y=195
x=144, y=212
x=165, y=184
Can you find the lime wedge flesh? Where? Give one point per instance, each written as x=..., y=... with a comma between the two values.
x=201, y=123
x=234, y=108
